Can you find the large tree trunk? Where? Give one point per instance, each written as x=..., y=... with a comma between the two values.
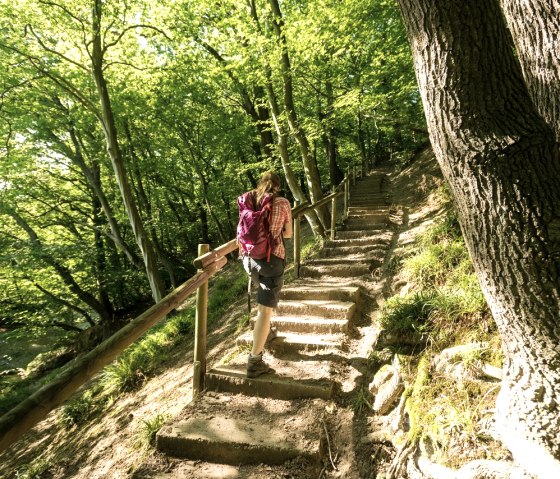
x=113, y=148
x=502, y=163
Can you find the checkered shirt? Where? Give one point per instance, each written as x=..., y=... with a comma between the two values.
x=281, y=214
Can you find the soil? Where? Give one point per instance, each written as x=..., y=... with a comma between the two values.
x=107, y=447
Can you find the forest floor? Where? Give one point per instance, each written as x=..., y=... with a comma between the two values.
x=111, y=446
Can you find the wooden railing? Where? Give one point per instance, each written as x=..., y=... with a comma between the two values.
x=25, y=415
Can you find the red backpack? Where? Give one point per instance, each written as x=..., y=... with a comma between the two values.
x=253, y=230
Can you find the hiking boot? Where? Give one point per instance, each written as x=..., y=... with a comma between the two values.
x=272, y=335
x=256, y=366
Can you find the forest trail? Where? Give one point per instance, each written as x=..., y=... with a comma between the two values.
x=299, y=421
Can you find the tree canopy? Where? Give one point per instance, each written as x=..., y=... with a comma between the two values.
x=129, y=128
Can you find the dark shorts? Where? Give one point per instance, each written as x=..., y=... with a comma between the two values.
x=268, y=276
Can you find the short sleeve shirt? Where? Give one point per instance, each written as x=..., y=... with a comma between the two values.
x=281, y=214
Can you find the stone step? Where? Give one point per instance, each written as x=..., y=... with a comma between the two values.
x=293, y=342
x=318, y=290
x=343, y=271
x=308, y=324
x=233, y=379
x=327, y=309
x=243, y=431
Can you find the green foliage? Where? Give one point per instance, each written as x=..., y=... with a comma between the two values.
x=446, y=300
x=445, y=303
x=361, y=401
x=311, y=246
x=146, y=435
x=407, y=314
x=36, y=469
x=83, y=407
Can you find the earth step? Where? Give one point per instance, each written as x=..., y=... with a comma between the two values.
x=365, y=227
x=320, y=291
x=308, y=324
x=355, y=221
x=358, y=249
x=367, y=195
x=369, y=202
x=294, y=342
x=233, y=379
x=370, y=214
x=344, y=271
x=346, y=261
x=317, y=307
x=237, y=432
x=380, y=240
x=360, y=210
x=365, y=235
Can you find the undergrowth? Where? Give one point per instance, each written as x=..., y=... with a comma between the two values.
x=142, y=359
x=445, y=300
x=445, y=306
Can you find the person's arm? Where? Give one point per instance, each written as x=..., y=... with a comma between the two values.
x=287, y=228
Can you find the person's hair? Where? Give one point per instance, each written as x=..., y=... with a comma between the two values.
x=268, y=184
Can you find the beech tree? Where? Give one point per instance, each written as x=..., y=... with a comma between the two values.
x=493, y=123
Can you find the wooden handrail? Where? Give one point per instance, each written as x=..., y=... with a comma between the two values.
x=202, y=261
x=25, y=415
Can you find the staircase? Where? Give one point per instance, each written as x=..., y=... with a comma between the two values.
x=283, y=416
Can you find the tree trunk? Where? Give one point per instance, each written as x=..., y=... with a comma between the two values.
x=502, y=163
x=310, y=167
x=297, y=192
x=64, y=273
x=113, y=148
x=335, y=171
x=535, y=27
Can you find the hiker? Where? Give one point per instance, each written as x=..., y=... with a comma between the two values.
x=265, y=218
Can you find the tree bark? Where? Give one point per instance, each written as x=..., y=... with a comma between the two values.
x=113, y=148
x=535, y=27
x=503, y=166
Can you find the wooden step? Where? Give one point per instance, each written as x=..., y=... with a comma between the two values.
x=233, y=379
x=381, y=239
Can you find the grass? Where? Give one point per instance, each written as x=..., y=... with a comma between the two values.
x=445, y=300
x=446, y=303
x=141, y=360
x=146, y=434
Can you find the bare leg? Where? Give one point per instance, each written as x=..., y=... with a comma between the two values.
x=261, y=329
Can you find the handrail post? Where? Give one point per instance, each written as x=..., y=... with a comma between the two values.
x=354, y=175
x=297, y=245
x=200, y=331
x=346, y=196
x=333, y=215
